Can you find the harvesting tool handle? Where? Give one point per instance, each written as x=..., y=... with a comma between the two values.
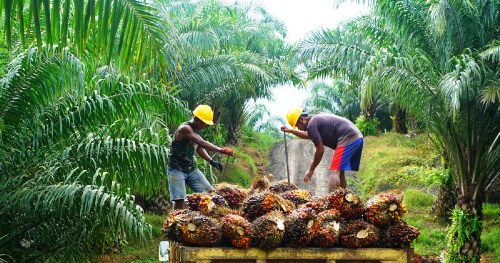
x=225, y=168
x=286, y=156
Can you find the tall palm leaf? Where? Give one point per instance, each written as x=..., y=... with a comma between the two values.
x=125, y=32
x=72, y=149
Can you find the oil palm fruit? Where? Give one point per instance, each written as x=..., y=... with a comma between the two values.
x=384, y=209
x=358, y=234
x=298, y=197
x=268, y=230
x=299, y=230
x=193, y=201
x=259, y=185
x=328, y=226
x=233, y=194
x=263, y=203
x=171, y=226
x=348, y=203
x=211, y=208
x=398, y=235
x=318, y=204
x=200, y=230
x=237, y=230
x=282, y=186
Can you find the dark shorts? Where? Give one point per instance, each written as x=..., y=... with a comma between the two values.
x=347, y=157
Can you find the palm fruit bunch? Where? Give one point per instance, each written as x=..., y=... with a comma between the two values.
x=219, y=200
x=193, y=201
x=328, y=226
x=318, y=204
x=299, y=230
x=384, y=209
x=263, y=203
x=348, y=203
x=398, y=235
x=259, y=184
x=298, y=197
x=237, y=230
x=171, y=227
x=233, y=194
x=359, y=233
x=282, y=186
x=200, y=230
x=211, y=207
x=268, y=230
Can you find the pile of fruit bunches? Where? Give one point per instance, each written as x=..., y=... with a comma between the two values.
x=270, y=215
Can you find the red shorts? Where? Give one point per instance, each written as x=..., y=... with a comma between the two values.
x=347, y=157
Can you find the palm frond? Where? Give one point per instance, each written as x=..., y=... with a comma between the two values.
x=460, y=80
x=37, y=207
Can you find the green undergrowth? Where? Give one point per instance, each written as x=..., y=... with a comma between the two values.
x=490, y=236
x=393, y=161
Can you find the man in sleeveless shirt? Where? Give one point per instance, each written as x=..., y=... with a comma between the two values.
x=332, y=131
x=181, y=165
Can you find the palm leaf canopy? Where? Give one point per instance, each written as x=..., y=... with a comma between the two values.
x=72, y=150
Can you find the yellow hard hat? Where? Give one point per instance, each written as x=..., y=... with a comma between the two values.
x=205, y=114
x=293, y=116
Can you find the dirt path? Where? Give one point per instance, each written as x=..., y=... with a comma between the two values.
x=300, y=156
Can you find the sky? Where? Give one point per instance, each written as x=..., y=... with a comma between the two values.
x=302, y=17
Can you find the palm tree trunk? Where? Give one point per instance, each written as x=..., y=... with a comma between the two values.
x=465, y=233
x=445, y=200
x=233, y=134
x=399, y=122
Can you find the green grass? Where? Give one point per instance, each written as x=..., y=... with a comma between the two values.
x=393, y=161
x=259, y=141
x=490, y=237
x=432, y=239
x=136, y=251
x=416, y=200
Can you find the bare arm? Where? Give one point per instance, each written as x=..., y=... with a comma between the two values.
x=186, y=132
x=203, y=153
x=298, y=133
x=318, y=155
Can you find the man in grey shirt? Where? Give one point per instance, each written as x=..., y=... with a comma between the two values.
x=332, y=131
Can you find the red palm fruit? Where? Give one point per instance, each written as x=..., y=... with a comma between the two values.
x=298, y=197
x=358, y=234
x=268, y=230
x=282, y=186
x=398, y=235
x=299, y=229
x=259, y=184
x=263, y=203
x=237, y=230
x=328, y=227
x=384, y=209
x=348, y=203
x=233, y=194
x=210, y=208
x=200, y=230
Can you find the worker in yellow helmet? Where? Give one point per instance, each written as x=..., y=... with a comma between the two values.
x=332, y=131
x=181, y=165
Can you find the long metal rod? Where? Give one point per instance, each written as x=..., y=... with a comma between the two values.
x=286, y=156
x=225, y=169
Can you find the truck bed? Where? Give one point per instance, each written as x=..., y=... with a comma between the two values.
x=184, y=254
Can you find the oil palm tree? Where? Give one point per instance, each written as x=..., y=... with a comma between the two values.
x=439, y=59
x=340, y=98
x=234, y=54
x=73, y=146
